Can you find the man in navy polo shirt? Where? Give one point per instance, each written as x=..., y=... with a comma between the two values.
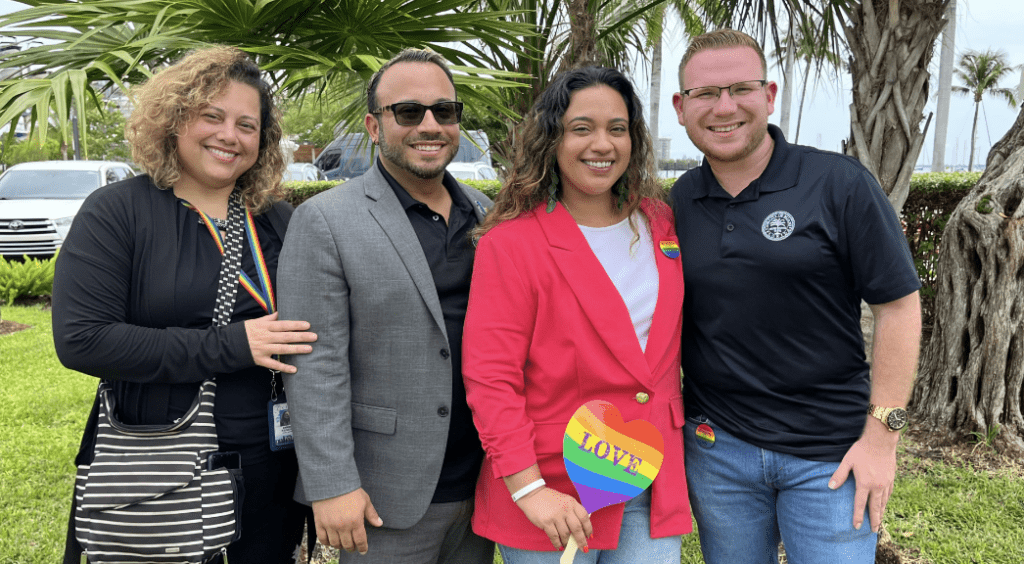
x=780, y=243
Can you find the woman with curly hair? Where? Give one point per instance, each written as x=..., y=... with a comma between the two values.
x=576, y=296
x=136, y=281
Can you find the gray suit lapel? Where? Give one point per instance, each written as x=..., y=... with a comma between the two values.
x=387, y=211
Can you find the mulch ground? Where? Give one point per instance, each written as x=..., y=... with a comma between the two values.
x=7, y=327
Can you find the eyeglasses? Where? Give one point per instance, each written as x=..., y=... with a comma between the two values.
x=713, y=93
x=411, y=113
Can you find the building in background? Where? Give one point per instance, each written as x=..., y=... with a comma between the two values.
x=663, y=149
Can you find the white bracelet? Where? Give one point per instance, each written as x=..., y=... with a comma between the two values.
x=527, y=489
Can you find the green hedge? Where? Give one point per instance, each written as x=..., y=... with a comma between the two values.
x=301, y=191
x=920, y=184
x=933, y=196
x=928, y=182
x=932, y=199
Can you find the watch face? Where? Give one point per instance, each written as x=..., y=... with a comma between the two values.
x=897, y=419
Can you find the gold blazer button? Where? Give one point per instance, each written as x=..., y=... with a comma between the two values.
x=642, y=397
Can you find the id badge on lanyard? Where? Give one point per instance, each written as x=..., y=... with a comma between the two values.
x=279, y=418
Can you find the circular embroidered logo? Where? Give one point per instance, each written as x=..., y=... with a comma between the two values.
x=778, y=225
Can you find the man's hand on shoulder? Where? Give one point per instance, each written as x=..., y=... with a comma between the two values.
x=872, y=460
x=339, y=520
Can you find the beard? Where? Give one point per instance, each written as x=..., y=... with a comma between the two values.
x=396, y=155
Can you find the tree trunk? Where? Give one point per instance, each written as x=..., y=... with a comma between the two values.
x=656, y=99
x=891, y=42
x=803, y=96
x=974, y=136
x=786, y=98
x=972, y=369
x=582, y=37
x=1003, y=148
x=945, y=89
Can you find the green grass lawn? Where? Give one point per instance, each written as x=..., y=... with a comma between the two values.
x=951, y=506
x=45, y=407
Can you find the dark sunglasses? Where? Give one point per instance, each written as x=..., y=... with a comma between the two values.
x=411, y=113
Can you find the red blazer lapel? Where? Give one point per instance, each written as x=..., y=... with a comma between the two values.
x=597, y=296
x=667, y=322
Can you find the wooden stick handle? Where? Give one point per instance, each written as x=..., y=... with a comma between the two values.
x=570, y=551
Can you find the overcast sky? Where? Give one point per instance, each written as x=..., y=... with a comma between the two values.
x=981, y=25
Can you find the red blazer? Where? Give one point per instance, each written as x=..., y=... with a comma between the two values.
x=546, y=331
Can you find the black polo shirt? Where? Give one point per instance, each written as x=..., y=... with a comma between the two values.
x=772, y=347
x=450, y=254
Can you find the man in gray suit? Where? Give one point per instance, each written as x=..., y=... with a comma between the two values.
x=380, y=268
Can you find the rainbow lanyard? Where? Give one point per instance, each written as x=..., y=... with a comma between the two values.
x=264, y=293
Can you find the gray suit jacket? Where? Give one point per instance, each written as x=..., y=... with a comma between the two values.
x=366, y=403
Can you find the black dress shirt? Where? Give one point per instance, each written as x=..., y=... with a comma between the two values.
x=449, y=252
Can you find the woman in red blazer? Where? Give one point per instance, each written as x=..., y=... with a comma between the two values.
x=577, y=295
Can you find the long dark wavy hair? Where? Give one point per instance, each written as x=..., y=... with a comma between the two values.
x=538, y=137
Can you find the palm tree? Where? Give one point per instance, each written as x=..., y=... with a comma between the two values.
x=891, y=45
x=981, y=71
x=502, y=51
x=945, y=89
x=807, y=45
x=308, y=47
x=570, y=33
x=696, y=17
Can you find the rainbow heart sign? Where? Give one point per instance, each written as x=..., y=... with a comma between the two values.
x=609, y=460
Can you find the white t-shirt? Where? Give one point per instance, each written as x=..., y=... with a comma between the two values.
x=632, y=268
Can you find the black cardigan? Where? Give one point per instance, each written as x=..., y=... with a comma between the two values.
x=133, y=295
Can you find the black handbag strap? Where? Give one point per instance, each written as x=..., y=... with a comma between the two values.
x=231, y=264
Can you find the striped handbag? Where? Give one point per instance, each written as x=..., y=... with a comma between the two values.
x=163, y=493
x=151, y=493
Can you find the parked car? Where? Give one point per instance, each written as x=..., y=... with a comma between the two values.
x=350, y=154
x=38, y=201
x=302, y=172
x=472, y=171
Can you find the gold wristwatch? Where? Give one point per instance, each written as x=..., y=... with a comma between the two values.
x=895, y=418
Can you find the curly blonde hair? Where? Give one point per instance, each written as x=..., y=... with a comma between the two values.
x=537, y=140
x=173, y=97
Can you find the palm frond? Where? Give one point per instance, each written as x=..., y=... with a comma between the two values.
x=308, y=47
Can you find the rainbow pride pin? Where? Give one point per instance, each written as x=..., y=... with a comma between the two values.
x=670, y=248
x=609, y=460
x=705, y=436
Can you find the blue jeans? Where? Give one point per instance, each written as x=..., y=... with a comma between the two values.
x=635, y=543
x=746, y=498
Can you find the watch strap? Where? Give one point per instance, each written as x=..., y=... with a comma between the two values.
x=882, y=414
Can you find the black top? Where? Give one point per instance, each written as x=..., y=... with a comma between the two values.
x=133, y=295
x=772, y=346
x=450, y=252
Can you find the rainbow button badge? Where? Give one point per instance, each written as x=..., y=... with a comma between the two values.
x=670, y=248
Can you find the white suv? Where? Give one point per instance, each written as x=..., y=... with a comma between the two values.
x=38, y=200
x=472, y=171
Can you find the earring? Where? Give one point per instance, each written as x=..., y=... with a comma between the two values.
x=553, y=188
x=622, y=189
